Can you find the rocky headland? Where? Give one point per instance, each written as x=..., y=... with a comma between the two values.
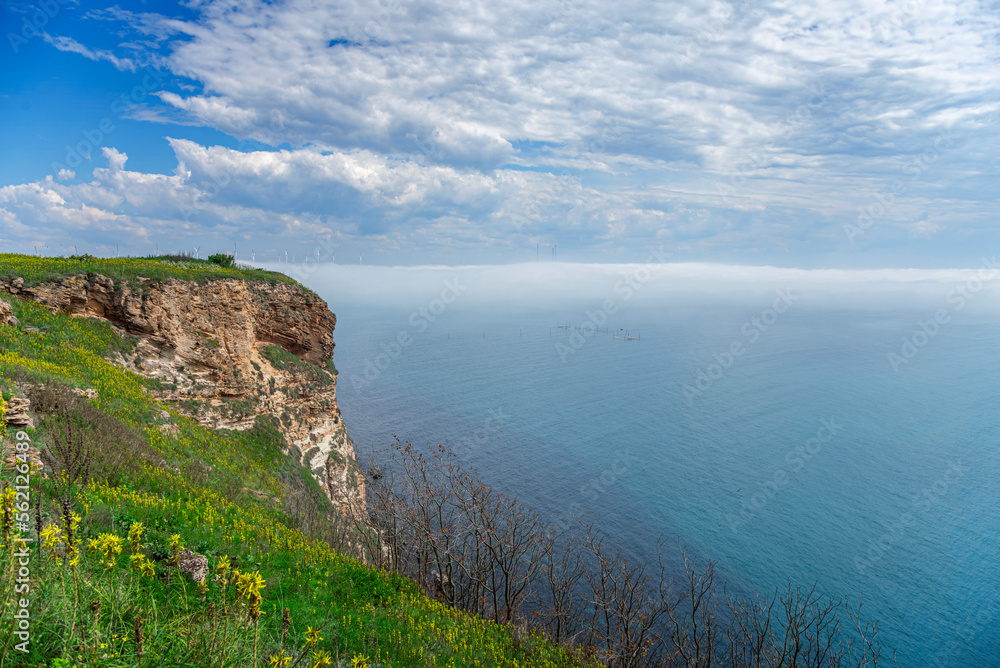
x=225, y=351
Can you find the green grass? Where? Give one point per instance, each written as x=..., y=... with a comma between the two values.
x=283, y=360
x=223, y=494
x=280, y=358
x=36, y=270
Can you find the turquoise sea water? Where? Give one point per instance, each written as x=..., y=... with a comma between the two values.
x=807, y=458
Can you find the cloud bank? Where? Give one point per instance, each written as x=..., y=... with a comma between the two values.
x=651, y=284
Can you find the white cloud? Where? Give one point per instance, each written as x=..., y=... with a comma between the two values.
x=116, y=159
x=71, y=45
x=302, y=194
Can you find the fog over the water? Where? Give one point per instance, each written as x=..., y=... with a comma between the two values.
x=560, y=285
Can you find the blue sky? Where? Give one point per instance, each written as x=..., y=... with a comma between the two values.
x=844, y=135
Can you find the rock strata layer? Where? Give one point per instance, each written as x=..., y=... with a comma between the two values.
x=242, y=348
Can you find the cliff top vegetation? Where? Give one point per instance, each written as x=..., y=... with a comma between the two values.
x=132, y=271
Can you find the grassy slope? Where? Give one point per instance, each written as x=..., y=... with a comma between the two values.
x=87, y=614
x=35, y=270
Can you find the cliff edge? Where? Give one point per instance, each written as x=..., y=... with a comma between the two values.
x=225, y=351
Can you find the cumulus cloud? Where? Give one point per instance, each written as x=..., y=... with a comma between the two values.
x=305, y=194
x=308, y=178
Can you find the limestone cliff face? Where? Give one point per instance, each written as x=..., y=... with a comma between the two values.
x=243, y=348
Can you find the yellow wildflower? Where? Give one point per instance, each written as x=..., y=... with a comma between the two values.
x=320, y=659
x=249, y=586
x=223, y=566
x=280, y=660
x=110, y=546
x=312, y=636
x=145, y=567
x=51, y=537
x=135, y=533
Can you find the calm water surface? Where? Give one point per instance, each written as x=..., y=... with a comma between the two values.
x=807, y=458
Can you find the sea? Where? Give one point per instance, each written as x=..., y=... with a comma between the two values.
x=842, y=436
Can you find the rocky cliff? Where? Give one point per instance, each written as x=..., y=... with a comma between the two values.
x=226, y=351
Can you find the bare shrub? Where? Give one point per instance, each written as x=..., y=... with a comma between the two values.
x=437, y=523
x=83, y=433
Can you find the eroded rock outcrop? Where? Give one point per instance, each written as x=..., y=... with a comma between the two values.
x=195, y=566
x=242, y=348
x=16, y=414
x=6, y=314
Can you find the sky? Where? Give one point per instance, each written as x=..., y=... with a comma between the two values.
x=842, y=135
